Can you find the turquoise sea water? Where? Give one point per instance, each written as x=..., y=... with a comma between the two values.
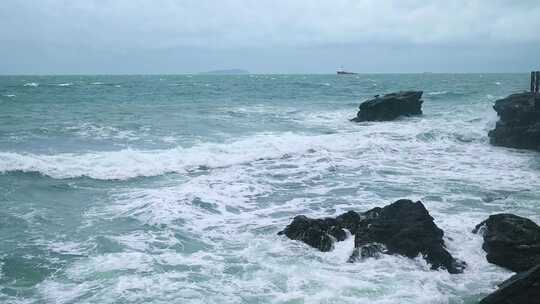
x=171, y=189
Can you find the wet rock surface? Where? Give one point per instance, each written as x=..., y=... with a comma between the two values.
x=511, y=241
x=522, y=288
x=390, y=106
x=403, y=227
x=406, y=228
x=321, y=233
x=519, y=122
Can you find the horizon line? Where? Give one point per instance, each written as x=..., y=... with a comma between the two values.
x=245, y=74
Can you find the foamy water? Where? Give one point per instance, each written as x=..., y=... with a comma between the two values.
x=178, y=196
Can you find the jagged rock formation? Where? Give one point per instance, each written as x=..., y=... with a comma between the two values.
x=511, y=241
x=403, y=227
x=406, y=228
x=390, y=106
x=322, y=233
x=519, y=122
x=522, y=288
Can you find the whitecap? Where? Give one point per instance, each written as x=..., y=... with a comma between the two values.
x=130, y=163
x=438, y=93
x=375, y=140
x=95, y=131
x=67, y=84
x=31, y=84
x=168, y=139
x=72, y=248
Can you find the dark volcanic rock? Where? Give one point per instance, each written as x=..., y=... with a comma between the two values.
x=511, y=241
x=406, y=228
x=519, y=122
x=522, y=288
x=370, y=250
x=321, y=233
x=390, y=106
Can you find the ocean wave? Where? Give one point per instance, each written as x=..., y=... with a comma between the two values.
x=255, y=238
x=67, y=84
x=89, y=130
x=129, y=163
x=437, y=93
x=31, y=84
x=374, y=145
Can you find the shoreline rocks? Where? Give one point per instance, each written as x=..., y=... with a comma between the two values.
x=513, y=242
x=510, y=241
x=522, y=288
x=519, y=122
x=406, y=228
x=321, y=233
x=390, y=106
x=403, y=227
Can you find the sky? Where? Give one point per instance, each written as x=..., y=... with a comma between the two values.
x=268, y=36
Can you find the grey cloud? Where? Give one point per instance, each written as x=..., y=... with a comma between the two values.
x=100, y=30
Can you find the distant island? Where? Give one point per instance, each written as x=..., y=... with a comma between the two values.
x=226, y=72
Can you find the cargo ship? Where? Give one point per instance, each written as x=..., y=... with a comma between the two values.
x=341, y=71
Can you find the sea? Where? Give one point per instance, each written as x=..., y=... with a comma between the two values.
x=172, y=188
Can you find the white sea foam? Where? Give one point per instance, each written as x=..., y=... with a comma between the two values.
x=438, y=93
x=60, y=293
x=169, y=139
x=67, y=248
x=31, y=84
x=248, y=259
x=66, y=84
x=131, y=163
x=208, y=235
x=96, y=131
x=103, y=264
x=393, y=145
x=310, y=276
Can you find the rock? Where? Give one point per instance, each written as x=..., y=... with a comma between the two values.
x=321, y=233
x=522, y=288
x=370, y=250
x=390, y=106
x=406, y=228
x=519, y=122
x=510, y=241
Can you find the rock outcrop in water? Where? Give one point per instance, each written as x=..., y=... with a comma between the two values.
x=511, y=241
x=403, y=227
x=522, y=288
x=519, y=122
x=390, y=106
x=322, y=233
x=406, y=228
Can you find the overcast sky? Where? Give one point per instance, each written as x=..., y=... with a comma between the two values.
x=268, y=36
